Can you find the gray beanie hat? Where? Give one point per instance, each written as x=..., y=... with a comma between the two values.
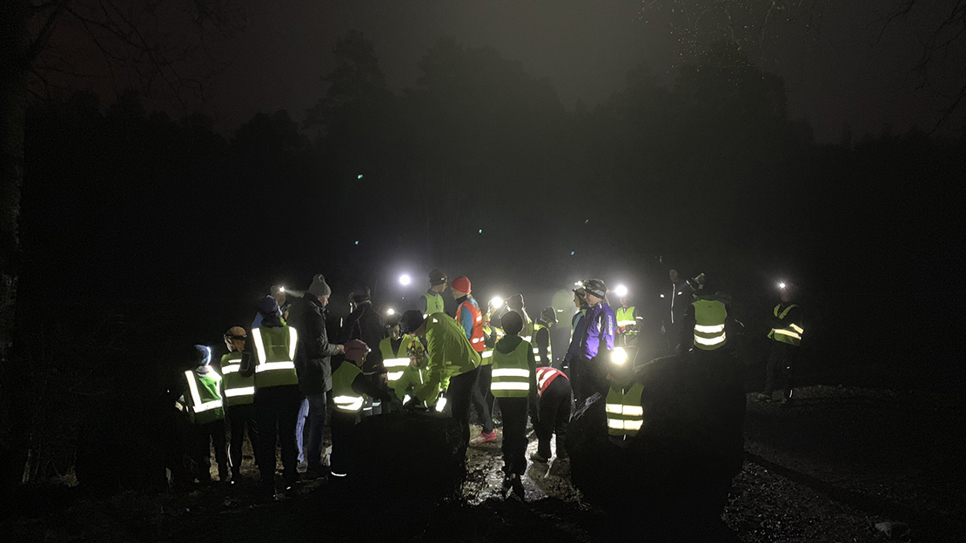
x=319, y=287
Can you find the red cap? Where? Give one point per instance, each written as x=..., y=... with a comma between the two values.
x=462, y=284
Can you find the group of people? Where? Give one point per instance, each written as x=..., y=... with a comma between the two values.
x=285, y=372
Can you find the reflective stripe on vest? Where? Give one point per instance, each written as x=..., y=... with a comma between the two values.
x=346, y=399
x=275, y=365
x=709, y=327
x=536, y=350
x=624, y=412
x=792, y=334
x=395, y=363
x=206, y=403
x=238, y=390
x=545, y=376
x=511, y=373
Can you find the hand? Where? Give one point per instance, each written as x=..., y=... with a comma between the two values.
x=410, y=406
x=341, y=349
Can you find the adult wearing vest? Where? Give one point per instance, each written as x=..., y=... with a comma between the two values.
x=350, y=387
x=431, y=301
x=786, y=335
x=597, y=339
x=704, y=329
x=470, y=318
x=271, y=359
x=313, y=364
x=395, y=356
x=206, y=412
x=554, y=406
x=542, y=345
x=239, y=395
x=515, y=387
x=450, y=356
x=627, y=322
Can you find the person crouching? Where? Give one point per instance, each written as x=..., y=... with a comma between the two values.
x=349, y=389
x=513, y=385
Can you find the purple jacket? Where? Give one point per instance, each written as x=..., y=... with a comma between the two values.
x=601, y=323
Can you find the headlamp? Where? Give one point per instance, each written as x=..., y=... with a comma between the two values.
x=781, y=285
x=618, y=356
x=496, y=302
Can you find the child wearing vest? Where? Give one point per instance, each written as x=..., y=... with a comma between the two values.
x=206, y=412
x=349, y=389
x=514, y=386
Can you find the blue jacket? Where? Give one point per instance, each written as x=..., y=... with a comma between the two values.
x=601, y=324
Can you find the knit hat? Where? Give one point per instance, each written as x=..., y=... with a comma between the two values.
x=356, y=350
x=201, y=355
x=268, y=307
x=360, y=295
x=319, y=287
x=436, y=277
x=462, y=284
x=595, y=287
x=512, y=322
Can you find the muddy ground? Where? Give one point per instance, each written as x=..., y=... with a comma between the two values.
x=840, y=464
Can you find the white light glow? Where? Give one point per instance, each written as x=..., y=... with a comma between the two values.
x=781, y=285
x=618, y=356
x=390, y=311
x=496, y=302
x=404, y=279
x=620, y=290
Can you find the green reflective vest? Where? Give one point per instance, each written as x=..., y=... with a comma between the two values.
x=709, y=323
x=238, y=390
x=434, y=303
x=346, y=399
x=397, y=362
x=275, y=356
x=204, y=402
x=511, y=372
x=624, y=412
x=527, y=333
x=536, y=350
x=792, y=334
x=625, y=319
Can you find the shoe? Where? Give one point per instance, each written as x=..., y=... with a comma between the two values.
x=484, y=438
x=537, y=457
x=516, y=485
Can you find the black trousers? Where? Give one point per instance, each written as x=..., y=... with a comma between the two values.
x=514, y=446
x=276, y=411
x=203, y=437
x=555, y=408
x=584, y=381
x=781, y=368
x=460, y=391
x=241, y=417
x=341, y=425
x=483, y=399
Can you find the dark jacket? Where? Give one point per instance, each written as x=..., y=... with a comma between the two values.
x=312, y=357
x=367, y=325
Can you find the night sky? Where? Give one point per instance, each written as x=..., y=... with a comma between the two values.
x=840, y=71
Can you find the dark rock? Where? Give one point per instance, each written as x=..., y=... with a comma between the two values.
x=410, y=454
x=679, y=467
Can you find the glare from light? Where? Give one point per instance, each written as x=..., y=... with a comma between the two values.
x=571, y=253
x=496, y=302
x=357, y=242
x=620, y=290
x=390, y=312
x=781, y=285
x=359, y=176
x=618, y=356
x=480, y=231
x=440, y=405
x=404, y=279
x=281, y=289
